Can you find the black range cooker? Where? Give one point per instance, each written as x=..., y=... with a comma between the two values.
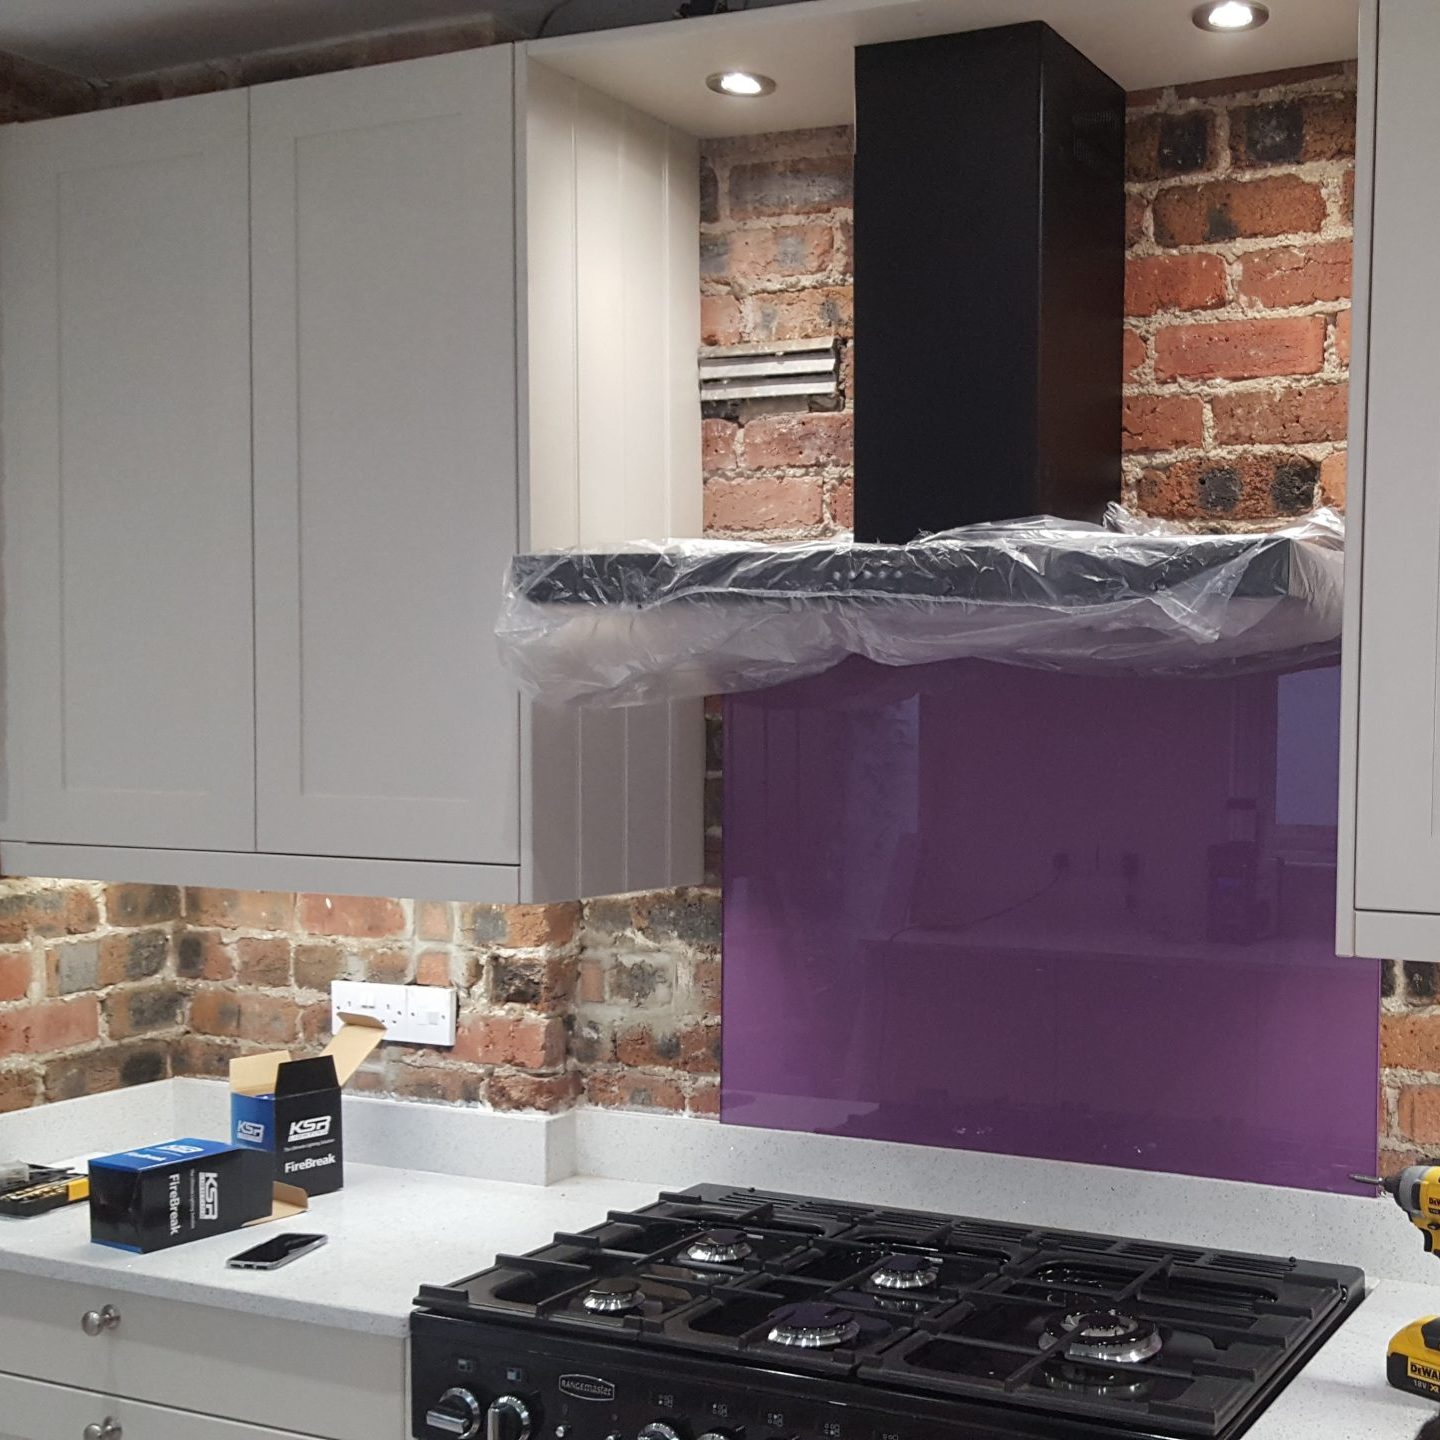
x=732, y=1314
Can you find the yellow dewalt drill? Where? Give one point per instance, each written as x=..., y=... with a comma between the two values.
x=1413, y=1360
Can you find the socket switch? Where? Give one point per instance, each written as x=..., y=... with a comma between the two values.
x=411, y=1014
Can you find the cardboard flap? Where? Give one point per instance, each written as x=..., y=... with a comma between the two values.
x=286, y=1203
x=256, y=1074
x=300, y=1077
x=355, y=1039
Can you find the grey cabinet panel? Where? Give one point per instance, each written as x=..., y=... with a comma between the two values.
x=124, y=291
x=385, y=460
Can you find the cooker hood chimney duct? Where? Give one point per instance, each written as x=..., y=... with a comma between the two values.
x=989, y=282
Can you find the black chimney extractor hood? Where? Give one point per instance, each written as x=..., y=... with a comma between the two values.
x=989, y=282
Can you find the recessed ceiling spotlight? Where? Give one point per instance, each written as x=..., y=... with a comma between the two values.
x=1230, y=15
x=745, y=83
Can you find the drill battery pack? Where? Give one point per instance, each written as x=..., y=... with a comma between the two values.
x=1413, y=1360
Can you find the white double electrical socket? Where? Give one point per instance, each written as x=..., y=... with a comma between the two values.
x=411, y=1014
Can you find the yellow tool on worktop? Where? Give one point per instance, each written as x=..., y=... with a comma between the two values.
x=1413, y=1360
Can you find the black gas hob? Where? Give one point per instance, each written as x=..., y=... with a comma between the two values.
x=731, y=1314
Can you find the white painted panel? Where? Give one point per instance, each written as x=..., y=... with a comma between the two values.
x=386, y=466
x=238, y=870
x=124, y=291
x=612, y=303
x=1398, y=780
x=248, y=1367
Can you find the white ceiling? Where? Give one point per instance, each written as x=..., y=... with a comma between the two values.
x=809, y=51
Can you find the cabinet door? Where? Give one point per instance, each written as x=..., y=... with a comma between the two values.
x=1398, y=656
x=125, y=307
x=385, y=459
x=32, y=1410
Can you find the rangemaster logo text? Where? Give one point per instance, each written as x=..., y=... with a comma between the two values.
x=587, y=1387
x=317, y=1127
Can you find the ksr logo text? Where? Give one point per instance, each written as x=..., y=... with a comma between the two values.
x=317, y=1127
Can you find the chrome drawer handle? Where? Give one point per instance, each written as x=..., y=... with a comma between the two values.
x=96, y=1322
x=107, y=1429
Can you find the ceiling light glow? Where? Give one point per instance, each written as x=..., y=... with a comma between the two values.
x=744, y=83
x=1231, y=15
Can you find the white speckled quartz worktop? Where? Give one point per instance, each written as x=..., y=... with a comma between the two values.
x=522, y=1178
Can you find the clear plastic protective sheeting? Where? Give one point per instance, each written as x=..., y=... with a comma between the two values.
x=684, y=618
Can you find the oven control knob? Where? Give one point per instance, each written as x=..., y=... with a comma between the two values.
x=457, y=1412
x=658, y=1430
x=509, y=1419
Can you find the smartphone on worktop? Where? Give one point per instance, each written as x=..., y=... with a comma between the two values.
x=272, y=1254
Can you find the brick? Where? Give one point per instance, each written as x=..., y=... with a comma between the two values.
x=1136, y=209
x=390, y=965
x=240, y=909
x=1340, y=328
x=1136, y=353
x=262, y=960
x=1159, y=146
x=692, y=1048
x=531, y=926
x=539, y=984
x=806, y=186
x=1297, y=274
x=798, y=440
x=27, y=912
x=130, y=905
x=704, y=1099
x=145, y=1008
x=1241, y=349
x=717, y=444
x=722, y=320
x=133, y=955
x=1280, y=417
x=202, y=1055
x=317, y=965
x=245, y=1015
x=203, y=955
x=592, y=1042
x=591, y=988
x=1392, y=1162
x=315, y=1025
x=1347, y=196
x=362, y=917
x=1233, y=209
x=842, y=505
x=766, y=257
x=1162, y=422
x=709, y=194
x=1257, y=80
x=18, y=1090
x=1418, y=1113
x=113, y=1068
x=434, y=920
x=50, y=1025
x=1293, y=131
x=515, y=1090
x=1332, y=479
x=432, y=967
x=810, y=314
x=1246, y=487
x=759, y=503
x=1173, y=282
x=634, y=1090
x=17, y=968
x=1410, y=1042
x=1420, y=978
x=690, y=916
x=533, y=1042
x=640, y=982
x=448, y=1083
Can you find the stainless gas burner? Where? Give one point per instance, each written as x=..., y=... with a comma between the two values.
x=905, y=1272
x=1099, y=1384
x=613, y=1297
x=718, y=1247
x=1107, y=1337
x=813, y=1325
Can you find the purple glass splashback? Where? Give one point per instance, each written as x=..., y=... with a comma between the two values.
x=1057, y=915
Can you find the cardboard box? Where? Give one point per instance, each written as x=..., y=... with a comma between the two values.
x=291, y=1108
x=163, y=1195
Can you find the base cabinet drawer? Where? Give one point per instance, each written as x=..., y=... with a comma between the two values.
x=35, y=1410
x=285, y=1374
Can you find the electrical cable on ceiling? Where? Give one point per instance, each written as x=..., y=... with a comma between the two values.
x=549, y=15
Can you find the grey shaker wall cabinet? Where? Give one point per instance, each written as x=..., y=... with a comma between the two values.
x=434, y=387
x=1390, y=754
